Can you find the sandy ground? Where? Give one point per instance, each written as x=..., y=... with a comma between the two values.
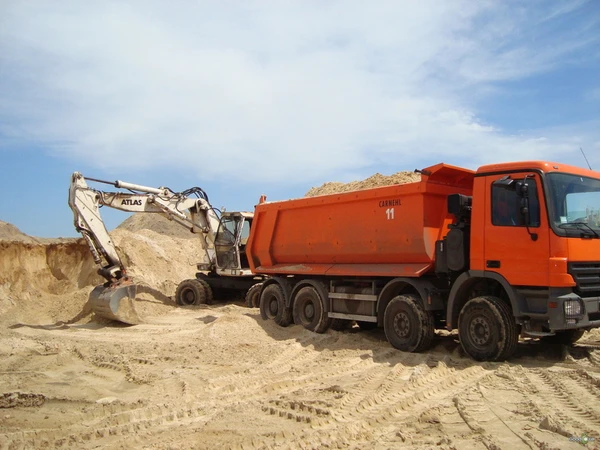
x=217, y=376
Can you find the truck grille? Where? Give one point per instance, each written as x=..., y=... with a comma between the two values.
x=587, y=277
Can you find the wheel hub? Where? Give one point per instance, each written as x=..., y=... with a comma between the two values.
x=189, y=297
x=309, y=311
x=273, y=306
x=402, y=324
x=479, y=330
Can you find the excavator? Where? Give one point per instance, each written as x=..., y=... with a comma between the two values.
x=223, y=236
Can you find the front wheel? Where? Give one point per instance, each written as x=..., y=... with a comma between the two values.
x=487, y=329
x=190, y=292
x=408, y=327
x=208, y=292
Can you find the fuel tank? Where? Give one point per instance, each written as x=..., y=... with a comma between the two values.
x=383, y=231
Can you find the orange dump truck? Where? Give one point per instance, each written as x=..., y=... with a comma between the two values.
x=510, y=249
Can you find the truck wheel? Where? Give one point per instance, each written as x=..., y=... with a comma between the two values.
x=253, y=296
x=309, y=310
x=272, y=306
x=207, y=291
x=565, y=337
x=190, y=292
x=408, y=327
x=487, y=329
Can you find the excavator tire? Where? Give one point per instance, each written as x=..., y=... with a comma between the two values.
x=207, y=291
x=253, y=296
x=190, y=292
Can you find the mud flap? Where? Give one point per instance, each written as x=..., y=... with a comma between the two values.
x=115, y=303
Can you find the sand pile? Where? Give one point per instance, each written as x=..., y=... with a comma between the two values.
x=49, y=280
x=157, y=223
x=9, y=232
x=377, y=180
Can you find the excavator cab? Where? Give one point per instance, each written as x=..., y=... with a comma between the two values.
x=230, y=242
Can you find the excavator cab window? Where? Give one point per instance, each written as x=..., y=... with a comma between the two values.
x=225, y=243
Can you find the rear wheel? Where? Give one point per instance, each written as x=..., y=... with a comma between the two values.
x=207, y=291
x=487, y=329
x=310, y=311
x=253, y=296
x=190, y=292
x=272, y=306
x=408, y=327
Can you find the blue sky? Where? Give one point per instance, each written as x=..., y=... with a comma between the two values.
x=268, y=97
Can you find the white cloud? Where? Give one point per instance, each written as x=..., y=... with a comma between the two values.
x=285, y=88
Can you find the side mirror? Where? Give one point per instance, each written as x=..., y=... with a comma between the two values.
x=522, y=189
x=505, y=182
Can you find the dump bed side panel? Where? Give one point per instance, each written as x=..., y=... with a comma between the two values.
x=383, y=231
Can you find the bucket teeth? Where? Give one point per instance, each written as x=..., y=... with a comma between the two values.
x=115, y=303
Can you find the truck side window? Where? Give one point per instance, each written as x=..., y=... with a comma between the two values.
x=507, y=204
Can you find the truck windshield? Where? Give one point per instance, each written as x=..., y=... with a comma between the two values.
x=575, y=204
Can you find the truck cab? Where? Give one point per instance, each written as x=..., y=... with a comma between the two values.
x=535, y=227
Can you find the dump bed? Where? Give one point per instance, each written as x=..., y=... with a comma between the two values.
x=384, y=231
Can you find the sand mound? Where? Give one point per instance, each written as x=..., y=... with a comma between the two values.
x=158, y=260
x=376, y=180
x=50, y=281
x=157, y=223
x=9, y=232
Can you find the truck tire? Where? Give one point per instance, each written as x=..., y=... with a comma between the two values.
x=566, y=337
x=207, y=291
x=253, y=296
x=408, y=327
x=310, y=311
x=487, y=329
x=190, y=292
x=272, y=306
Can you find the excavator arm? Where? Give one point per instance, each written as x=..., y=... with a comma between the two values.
x=191, y=209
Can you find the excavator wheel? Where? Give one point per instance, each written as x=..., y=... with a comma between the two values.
x=253, y=296
x=207, y=291
x=190, y=292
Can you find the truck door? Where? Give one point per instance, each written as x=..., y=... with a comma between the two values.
x=516, y=239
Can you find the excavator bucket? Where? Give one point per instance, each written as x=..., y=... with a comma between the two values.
x=115, y=303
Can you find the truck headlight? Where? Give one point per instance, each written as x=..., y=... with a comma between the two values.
x=573, y=308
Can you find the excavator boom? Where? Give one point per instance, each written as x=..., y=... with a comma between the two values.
x=115, y=299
